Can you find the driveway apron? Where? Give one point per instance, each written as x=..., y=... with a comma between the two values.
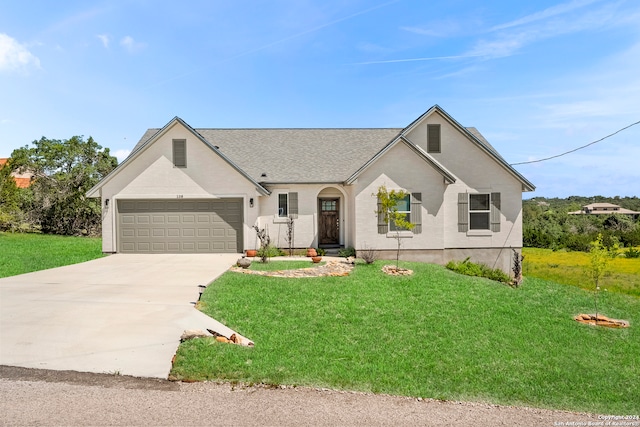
x=122, y=314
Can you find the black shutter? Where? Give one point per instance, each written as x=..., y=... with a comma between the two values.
x=416, y=212
x=463, y=212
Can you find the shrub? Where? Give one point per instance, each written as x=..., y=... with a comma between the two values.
x=632, y=253
x=269, y=251
x=320, y=251
x=347, y=252
x=469, y=268
x=368, y=254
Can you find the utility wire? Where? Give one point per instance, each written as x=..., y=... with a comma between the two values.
x=576, y=149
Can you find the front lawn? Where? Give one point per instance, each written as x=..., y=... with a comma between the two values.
x=435, y=334
x=23, y=253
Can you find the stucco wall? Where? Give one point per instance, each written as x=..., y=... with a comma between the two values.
x=152, y=175
x=306, y=224
x=476, y=172
x=400, y=168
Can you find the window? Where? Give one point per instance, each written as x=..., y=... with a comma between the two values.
x=288, y=205
x=180, y=153
x=404, y=208
x=283, y=204
x=479, y=211
x=433, y=139
x=411, y=208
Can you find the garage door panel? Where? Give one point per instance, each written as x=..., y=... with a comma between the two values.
x=175, y=226
x=158, y=247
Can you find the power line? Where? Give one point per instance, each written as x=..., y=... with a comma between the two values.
x=576, y=149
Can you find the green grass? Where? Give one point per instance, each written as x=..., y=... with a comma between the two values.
x=23, y=253
x=570, y=268
x=435, y=334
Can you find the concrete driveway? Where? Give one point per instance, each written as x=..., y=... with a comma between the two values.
x=119, y=314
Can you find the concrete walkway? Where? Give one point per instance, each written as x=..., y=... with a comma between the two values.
x=119, y=314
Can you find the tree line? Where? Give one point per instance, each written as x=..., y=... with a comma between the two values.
x=547, y=224
x=55, y=202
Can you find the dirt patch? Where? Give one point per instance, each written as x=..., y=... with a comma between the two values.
x=600, y=320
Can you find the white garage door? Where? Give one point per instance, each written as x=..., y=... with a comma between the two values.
x=180, y=226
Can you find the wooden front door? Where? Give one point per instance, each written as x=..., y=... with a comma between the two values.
x=329, y=227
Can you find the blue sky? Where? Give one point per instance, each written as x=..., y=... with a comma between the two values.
x=536, y=78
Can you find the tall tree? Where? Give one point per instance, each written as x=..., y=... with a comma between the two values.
x=64, y=170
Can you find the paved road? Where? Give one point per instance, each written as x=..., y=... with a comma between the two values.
x=36, y=397
x=122, y=313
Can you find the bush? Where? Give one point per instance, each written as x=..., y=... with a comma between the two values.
x=368, y=254
x=632, y=253
x=347, y=252
x=320, y=251
x=469, y=268
x=269, y=251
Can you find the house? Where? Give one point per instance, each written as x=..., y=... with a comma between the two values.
x=23, y=180
x=202, y=190
x=603, y=209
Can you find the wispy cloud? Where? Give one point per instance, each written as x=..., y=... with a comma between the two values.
x=444, y=28
x=131, y=45
x=427, y=58
x=509, y=38
x=566, y=18
x=545, y=14
x=105, y=39
x=15, y=56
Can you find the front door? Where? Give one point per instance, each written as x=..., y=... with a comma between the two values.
x=329, y=227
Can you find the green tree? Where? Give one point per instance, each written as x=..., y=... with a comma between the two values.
x=599, y=258
x=10, y=213
x=388, y=202
x=64, y=171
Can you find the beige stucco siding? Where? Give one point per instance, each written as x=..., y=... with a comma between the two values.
x=400, y=168
x=152, y=175
x=306, y=224
x=476, y=172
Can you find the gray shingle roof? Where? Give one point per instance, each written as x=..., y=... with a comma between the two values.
x=296, y=155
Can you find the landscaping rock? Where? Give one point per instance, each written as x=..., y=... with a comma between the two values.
x=332, y=268
x=193, y=333
x=243, y=262
x=392, y=270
